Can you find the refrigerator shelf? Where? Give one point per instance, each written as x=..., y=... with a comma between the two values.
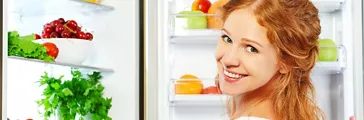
x=328, y=5
x=198, y=100
x=200, y=36
x=31, y=8
x=202, y=79
x=206, y=82
x=63, y=64
x=328, y=68
x=95, y=6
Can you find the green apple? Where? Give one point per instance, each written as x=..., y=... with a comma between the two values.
x=191, y=20
x=328, y=50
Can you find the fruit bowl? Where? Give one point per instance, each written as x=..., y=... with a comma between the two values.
x=71, y=50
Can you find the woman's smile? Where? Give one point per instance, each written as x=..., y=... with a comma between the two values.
x=233, y=77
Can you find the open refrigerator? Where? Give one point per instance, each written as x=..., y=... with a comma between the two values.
x=113, y=52
x=182, y=50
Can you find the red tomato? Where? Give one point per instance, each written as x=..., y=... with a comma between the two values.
x=211, y=90
x=37, y=36
x=202, y=5
x=52, y=49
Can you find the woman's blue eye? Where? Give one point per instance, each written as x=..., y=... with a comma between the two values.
x=251, y=49
x=227, y=39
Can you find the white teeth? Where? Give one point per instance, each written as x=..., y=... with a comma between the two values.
x=232, y=74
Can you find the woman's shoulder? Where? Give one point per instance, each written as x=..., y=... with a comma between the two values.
x=251, y=118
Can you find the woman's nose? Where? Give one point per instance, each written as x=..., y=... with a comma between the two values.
x=230, y=59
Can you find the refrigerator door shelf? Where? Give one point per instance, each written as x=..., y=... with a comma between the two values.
x=78, y=66
x=327, y=68
x=200, y=36
x=95, y=6
x=328, y=5
x=30, y=8
x=205, y=81
x=198, y=100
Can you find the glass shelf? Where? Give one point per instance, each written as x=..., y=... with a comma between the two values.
x=198, y=100
x=95, y=6
x=200, y=37
x=86, y=67
x=325, y=6
x=30, y=8
x=327, y=68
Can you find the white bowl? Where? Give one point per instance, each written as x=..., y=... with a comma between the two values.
x=73, y=51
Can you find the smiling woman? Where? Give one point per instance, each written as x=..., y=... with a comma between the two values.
x=265, y=56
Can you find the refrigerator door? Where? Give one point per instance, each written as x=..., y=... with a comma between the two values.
x=358, y=21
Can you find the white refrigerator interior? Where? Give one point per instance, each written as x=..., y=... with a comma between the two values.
x=114, y=24
x=192, y=51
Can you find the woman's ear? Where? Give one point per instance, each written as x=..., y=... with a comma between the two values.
x=283, y=69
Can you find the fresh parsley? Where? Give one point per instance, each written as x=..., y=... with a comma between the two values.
x=80, y=95
x=23, y=46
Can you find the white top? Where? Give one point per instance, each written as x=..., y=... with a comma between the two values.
x=251, y=118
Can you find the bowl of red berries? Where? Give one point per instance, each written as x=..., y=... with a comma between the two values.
x=72, y=43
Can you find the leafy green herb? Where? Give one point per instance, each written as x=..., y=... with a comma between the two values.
x=23, y=46
x=80, y=95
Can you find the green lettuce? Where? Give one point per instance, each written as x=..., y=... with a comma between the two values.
x=23, y=46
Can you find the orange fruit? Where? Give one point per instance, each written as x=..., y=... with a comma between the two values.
x=93, y=1
x=188, y=84
x=189, y=77
x=214, y=22
x=188, y=88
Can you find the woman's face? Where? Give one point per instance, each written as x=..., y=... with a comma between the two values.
x=246, y=59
